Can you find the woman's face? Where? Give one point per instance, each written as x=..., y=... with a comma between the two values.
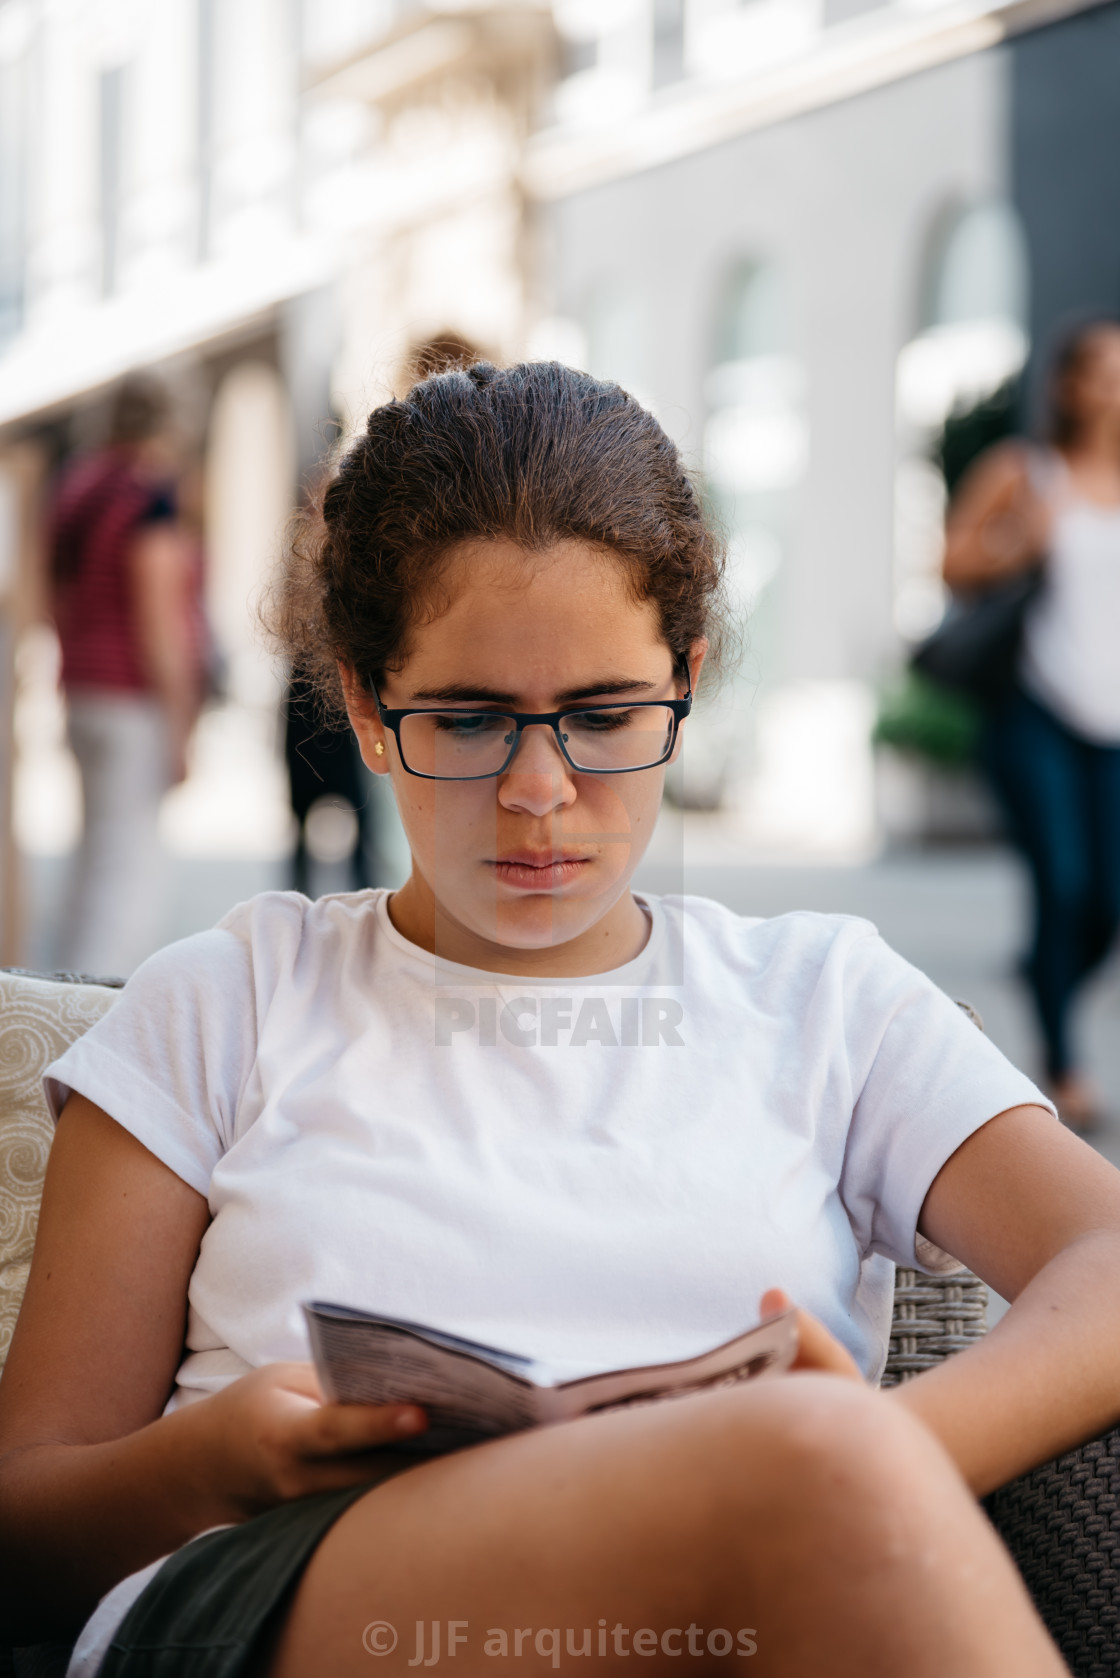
x=541, y=856
x=1094, y=385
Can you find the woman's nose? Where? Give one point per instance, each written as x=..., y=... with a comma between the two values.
x=539, y=778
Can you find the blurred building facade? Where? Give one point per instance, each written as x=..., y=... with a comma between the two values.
x=272, y=204
x=803, y=230
x=808, y=231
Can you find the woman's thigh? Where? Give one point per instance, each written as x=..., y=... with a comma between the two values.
x=794, y=1512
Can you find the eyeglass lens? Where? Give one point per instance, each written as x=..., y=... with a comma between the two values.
x=456, y=745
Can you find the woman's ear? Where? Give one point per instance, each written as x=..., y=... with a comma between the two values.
x=697, y=653
x=361, y=708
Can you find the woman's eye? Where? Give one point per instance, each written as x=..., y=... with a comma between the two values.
x=604, y=722
x=464, y=725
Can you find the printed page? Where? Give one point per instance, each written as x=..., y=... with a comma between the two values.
x=473, y=1392
x=766, y=1350
x=361, y=1360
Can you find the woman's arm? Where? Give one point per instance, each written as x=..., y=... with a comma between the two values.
x=161, y=587
x=1036, y=1213
x=94, y=1481
x=997, y=525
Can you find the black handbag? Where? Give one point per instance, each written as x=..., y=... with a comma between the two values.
x=975, y=647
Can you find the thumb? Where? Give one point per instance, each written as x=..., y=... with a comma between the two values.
x=774, y=1301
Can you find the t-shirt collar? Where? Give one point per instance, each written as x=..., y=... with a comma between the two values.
x=453, y=972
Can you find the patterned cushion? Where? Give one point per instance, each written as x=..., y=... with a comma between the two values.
x=39, y=1018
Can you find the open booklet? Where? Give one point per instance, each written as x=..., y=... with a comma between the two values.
x=472, y=1392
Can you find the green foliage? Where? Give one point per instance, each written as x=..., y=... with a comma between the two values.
x=919, y=716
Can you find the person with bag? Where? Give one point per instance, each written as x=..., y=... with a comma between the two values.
x=1033, y=541
x=127, y=603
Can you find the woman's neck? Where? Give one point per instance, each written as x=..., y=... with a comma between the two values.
x=1093, y=458
x=617, y=937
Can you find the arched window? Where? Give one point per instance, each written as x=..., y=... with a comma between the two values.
x=756, y=438
x=971, y=342
x=972, y=329
x=755, y=450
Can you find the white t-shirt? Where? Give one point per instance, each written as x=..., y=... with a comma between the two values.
x=1069, y=657
x=607, y=1170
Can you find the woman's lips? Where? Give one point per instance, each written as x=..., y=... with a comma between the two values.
x=527, y=872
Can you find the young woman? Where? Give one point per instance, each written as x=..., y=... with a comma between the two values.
x=519, y=1102
x=1052, y=751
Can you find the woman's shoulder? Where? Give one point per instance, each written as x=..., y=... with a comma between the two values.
x=269, y=915
x=253, y=945
x=804, y=936
x=273, y=920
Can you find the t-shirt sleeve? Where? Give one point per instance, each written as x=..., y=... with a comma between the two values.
x=923, y=1079
x=171, y=1058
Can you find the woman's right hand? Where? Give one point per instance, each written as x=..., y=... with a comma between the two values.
x=271, y=1436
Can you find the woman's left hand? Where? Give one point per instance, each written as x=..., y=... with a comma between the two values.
x=816, y=1347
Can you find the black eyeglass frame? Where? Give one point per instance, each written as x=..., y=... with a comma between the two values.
x=521, y=720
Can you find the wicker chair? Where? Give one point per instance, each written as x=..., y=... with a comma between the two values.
x=1061, y=1522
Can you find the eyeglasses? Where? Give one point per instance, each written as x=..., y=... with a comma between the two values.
x=594, y=739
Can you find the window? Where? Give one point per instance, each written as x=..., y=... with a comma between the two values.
x=608, y=48
x=111, y=172
x=972, y=314
x=748, y=37
x=15, y=40
x=668, y=41
x=971, y=344
x=755, y=450
x=204, y=134
x=756, y=438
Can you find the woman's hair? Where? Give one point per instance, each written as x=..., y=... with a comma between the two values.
x=1072, y=350
x=535, y=454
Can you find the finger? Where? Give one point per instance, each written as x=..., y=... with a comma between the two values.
x=335, y=1430
x=774, y=1301
x=818, y=1349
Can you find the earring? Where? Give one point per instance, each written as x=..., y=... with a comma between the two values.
x=379, y=750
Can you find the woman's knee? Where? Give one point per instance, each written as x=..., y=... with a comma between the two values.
x=818, y=1455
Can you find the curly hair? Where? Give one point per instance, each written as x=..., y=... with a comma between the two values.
x=535, y=454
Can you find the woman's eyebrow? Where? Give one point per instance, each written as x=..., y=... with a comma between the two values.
x=623, y=684
x=463, y=693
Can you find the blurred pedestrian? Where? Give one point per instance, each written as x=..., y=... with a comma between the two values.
x=127, y=590
x=325, y=763
x=1051, y=747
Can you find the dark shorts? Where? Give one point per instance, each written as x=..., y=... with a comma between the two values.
x=213, y=1606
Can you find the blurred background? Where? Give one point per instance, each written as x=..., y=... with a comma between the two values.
x=826, y=241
